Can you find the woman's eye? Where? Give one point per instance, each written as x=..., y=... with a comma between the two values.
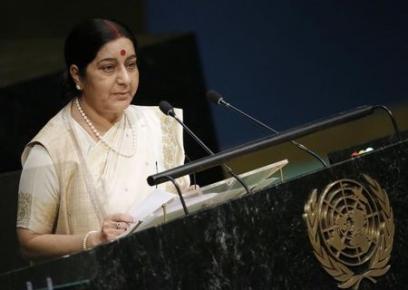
x=132, y=66
x=108, y=68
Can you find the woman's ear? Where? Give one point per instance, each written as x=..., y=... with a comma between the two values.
x=74, y=72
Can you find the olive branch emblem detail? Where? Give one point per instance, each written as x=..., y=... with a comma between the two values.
x=351, y=230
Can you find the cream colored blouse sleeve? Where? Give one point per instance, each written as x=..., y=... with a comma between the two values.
x=38, y=194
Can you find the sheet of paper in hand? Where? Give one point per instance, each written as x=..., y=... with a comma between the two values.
x=147, y=207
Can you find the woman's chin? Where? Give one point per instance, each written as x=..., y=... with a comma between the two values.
x=122, y=101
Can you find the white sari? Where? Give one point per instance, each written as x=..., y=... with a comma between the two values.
x=94, y=179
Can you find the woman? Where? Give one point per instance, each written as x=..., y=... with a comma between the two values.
x=88, y=166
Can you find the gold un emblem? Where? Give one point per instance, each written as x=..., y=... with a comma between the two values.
x=351, y=230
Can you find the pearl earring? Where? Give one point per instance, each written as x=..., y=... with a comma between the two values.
x=78, y=87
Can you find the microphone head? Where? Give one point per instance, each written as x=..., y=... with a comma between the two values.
x=214, y=97
x=166, y=108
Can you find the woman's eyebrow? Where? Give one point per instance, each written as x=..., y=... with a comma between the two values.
x=114, y=59
x=106, y=59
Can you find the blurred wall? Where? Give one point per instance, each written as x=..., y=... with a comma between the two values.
x=291, y=62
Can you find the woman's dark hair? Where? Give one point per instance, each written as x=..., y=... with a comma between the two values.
x=84, y=42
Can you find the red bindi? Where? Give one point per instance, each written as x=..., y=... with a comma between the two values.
x=122, y=52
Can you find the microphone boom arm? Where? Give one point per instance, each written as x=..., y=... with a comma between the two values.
x=221, y=157
x=264, y=126
x=205, y=147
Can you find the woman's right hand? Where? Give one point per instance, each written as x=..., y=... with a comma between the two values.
x=112, y=227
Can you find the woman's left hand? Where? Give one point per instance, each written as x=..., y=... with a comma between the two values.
x=112, y=227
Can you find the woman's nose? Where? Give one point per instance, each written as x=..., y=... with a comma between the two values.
x=123, y=76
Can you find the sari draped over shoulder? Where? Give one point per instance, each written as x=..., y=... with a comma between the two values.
x=97, y=179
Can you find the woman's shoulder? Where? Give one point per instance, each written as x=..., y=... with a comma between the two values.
x=53, y=133
x=54, y=129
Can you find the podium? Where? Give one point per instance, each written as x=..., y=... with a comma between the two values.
x=345, y=225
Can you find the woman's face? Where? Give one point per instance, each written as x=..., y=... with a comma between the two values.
x=112, y=78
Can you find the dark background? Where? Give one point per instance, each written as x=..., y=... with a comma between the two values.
x=289, y=62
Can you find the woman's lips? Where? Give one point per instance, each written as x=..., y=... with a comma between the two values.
x=124, y=95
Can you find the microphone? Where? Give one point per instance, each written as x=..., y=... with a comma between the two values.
x=168, y=110
x=217, y=98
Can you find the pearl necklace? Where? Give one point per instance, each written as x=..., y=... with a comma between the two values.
x=99, y=136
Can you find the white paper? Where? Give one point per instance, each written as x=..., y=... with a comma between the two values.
x=150, y=204
x=147, y=207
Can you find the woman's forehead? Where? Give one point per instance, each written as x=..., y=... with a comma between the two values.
x=118, y=48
